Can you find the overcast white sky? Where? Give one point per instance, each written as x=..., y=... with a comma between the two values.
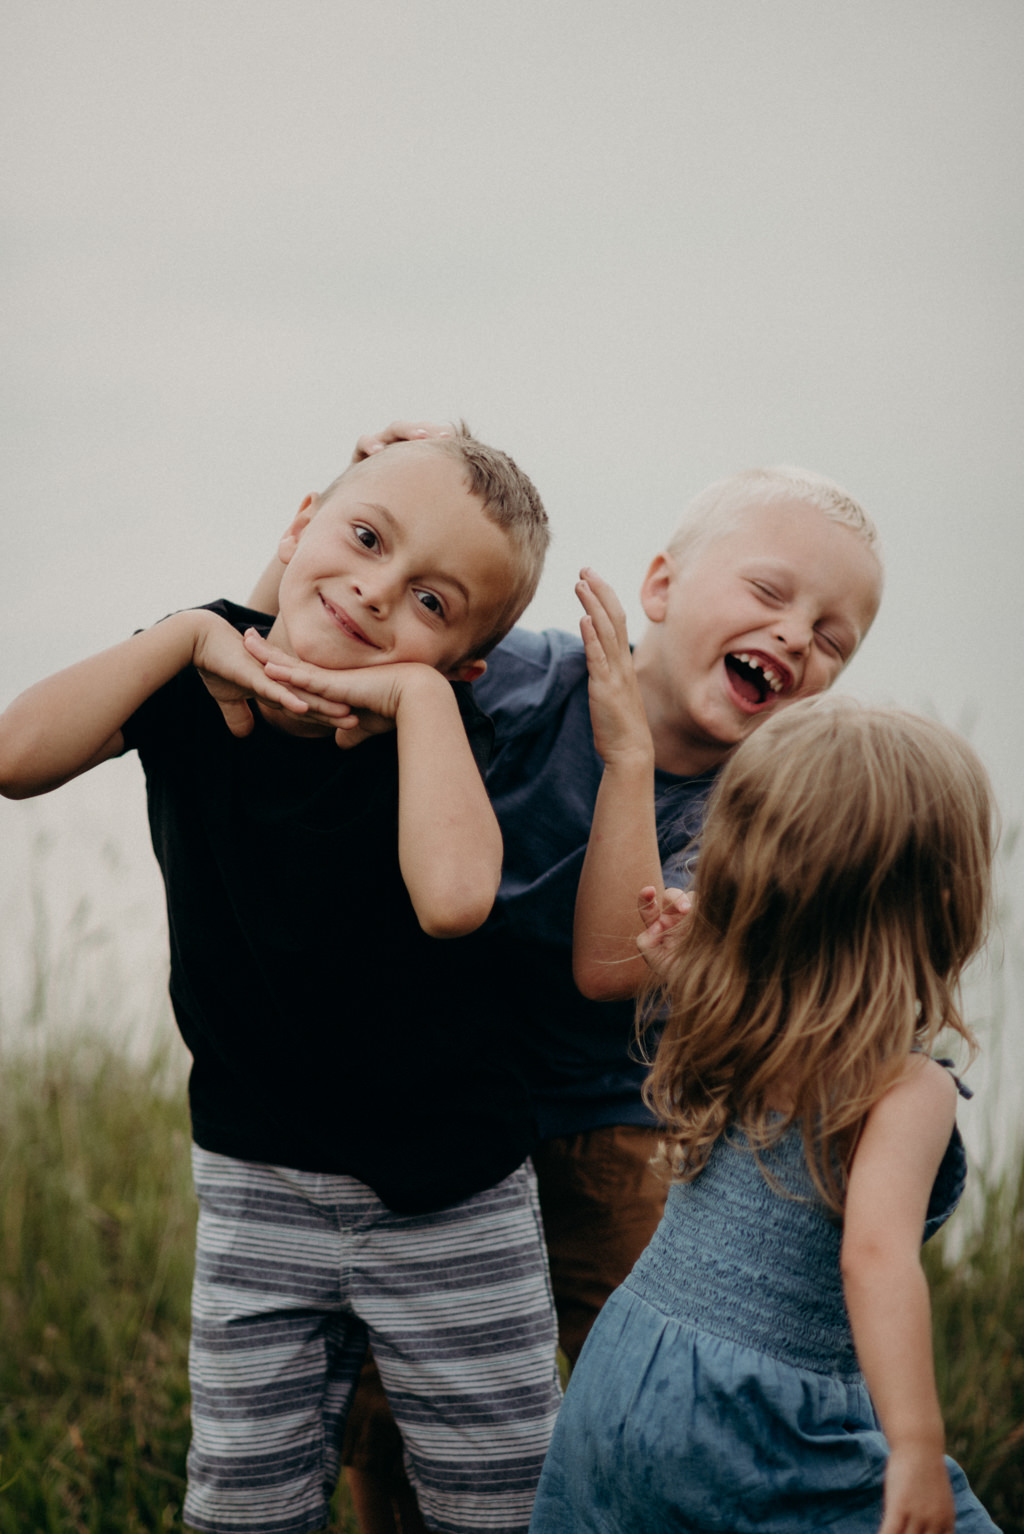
x=638, y=246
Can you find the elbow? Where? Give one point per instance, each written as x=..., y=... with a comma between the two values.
x=588, y=980
x=872, y=1264
x=17, y=778
x=456, y=915
x=860, y=1259
x=602, y=980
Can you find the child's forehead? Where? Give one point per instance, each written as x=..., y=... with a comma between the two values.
x=775, y=530
x=403, y=461
x=799, y=541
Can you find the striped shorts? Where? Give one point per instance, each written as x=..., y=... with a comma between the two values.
x=295, y=1271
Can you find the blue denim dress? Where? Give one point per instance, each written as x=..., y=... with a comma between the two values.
x=719, y=1391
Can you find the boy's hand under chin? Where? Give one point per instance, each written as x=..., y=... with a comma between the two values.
x=355, y=704
x=232, y=676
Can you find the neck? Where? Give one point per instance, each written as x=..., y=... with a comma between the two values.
x=676, y=749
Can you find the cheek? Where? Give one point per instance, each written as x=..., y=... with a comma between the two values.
x=820, y=676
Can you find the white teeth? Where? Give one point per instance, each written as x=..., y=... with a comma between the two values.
x=771, y=677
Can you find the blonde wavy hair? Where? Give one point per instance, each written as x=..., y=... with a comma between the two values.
x=843, y=883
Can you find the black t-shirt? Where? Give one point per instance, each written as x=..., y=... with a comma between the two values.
x=328, y=1032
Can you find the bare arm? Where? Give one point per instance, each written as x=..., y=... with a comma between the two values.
x=622, y=853
x=264, y=595
x=72, y=721
x=893, y=1170
x=449, y=844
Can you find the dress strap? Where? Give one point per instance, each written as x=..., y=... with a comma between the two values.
x=962, y=1088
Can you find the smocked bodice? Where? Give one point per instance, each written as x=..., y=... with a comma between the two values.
x=739, y=1260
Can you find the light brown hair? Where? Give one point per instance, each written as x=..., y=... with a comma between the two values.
x=510, y=500
x=843, y=882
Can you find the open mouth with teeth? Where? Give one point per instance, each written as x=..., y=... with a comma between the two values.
x=754, y=679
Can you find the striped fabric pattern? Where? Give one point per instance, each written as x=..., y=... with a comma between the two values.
x=294, y=1271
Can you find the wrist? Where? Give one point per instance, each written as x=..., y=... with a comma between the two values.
x=417, y=684
x=919, y=1442
x=635, y=761
x=196, y=625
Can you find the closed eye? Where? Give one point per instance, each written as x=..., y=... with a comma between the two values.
x=831, y=642
x=769, y=593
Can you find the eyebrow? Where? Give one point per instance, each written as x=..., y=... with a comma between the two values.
x=445, y=578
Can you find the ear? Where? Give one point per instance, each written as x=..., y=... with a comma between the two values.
x=468, y=671
x=655, y=588
x=290, y=538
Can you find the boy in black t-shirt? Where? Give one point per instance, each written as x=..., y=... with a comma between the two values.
x=359, y=1131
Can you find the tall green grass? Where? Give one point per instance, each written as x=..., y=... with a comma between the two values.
x=96, y=1229
x=96, y=1241
x=978, y=1327
x=97, y=1226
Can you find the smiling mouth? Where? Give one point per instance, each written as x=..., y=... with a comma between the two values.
x=756, y=679
x=341, y=620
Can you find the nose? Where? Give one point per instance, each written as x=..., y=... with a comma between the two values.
x=794, y=632
x=375, y=592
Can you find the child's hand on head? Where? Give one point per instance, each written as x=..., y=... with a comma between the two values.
x=616, y=706
x=662, y=915
x=398, y=431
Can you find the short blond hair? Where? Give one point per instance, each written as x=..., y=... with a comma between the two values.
x=843, y=883
x=722, y=506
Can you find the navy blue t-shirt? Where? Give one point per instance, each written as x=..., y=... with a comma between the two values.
x=543, y=782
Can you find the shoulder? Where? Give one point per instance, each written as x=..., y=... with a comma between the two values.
x=925, y=1091
x=240, y=617
x=905, y=1139
x=531, y=674
x=914, y=1118
x=184, y=699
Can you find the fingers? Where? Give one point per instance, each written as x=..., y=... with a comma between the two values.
x=605, y=619
x=398, y=431
x=317, y=688
x=676, y=904
x=351, y=732
x=262, y=650
x=600, y=602
x=647, y=905
x=237, y=716
x=661, y=917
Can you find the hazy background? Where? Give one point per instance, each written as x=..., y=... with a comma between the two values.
x=639, y=247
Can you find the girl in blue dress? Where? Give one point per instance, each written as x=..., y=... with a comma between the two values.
x=767, y=1366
